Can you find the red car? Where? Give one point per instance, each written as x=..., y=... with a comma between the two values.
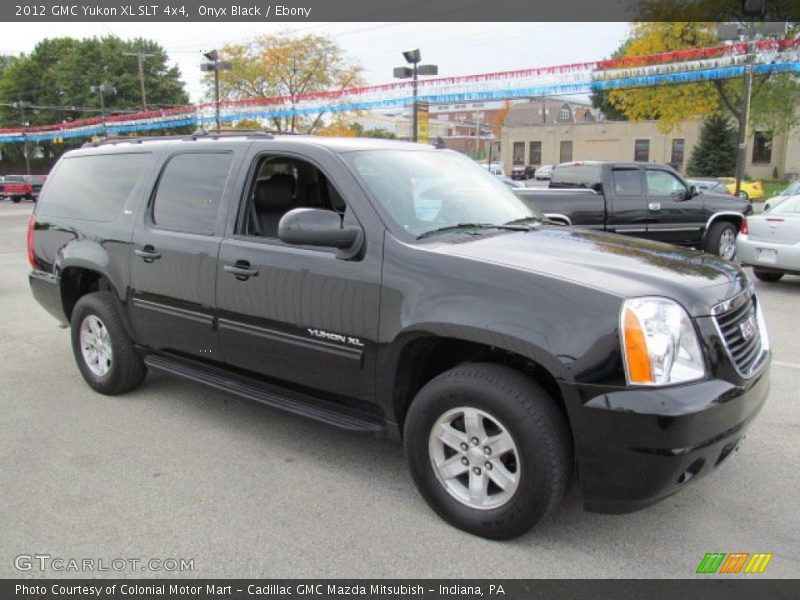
x=18, y=187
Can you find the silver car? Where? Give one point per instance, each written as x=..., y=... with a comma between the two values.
x=770, y=242
x=793, y=189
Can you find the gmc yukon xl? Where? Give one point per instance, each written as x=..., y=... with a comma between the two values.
x=397, y=289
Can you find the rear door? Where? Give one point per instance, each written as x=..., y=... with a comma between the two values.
x=625, y=201
x=674, y=218
x=174, y=260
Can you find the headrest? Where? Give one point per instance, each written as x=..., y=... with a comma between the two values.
x=275, y=193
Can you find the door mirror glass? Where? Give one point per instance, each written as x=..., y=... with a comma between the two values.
x=318, y=227
x=692, y=192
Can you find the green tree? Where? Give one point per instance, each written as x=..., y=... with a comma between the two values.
x=359, y=131
x=56, y=77
x=715, y=153
x=287, y=65
x=600, y=99
x=774, y=98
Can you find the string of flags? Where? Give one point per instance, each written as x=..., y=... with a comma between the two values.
x=665, y=68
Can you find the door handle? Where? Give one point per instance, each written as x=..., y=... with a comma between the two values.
x=241, y=270
x=654, y=206
x=148, y=254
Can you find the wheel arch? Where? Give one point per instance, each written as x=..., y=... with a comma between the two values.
x=732, y=217
x=417, y=357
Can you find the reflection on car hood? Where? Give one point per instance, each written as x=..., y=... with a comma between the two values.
x=624, y=266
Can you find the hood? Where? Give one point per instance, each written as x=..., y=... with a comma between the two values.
x=722, y=202
x=623, y=266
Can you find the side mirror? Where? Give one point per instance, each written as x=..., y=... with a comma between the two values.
x=318, y=227
x=692, y=192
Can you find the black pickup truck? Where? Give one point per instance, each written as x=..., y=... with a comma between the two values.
x=401, y=290
x=643, y=200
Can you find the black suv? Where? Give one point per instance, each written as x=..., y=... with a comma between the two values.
x=398, y=289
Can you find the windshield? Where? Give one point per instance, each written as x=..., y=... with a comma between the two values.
x=427, y=191
x=793, y=189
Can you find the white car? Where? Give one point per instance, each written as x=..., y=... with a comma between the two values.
x=793, y=189
x=770, y=242
x=543, y=172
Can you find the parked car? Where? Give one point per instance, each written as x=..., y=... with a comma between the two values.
x=543, y=172
x=793, y=189
x=714, y=186
x=512, y=183
x=17, y=188
x=749, y=190
x=519, y=172
x=642, y=200
x=770, y=242
x=36, y=181
x=505, y=352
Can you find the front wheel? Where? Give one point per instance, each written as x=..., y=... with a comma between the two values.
x=488, y=450
x=105, y=354
x=721, y=240
x=768, y=276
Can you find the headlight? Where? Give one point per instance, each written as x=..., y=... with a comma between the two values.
x=659, y=343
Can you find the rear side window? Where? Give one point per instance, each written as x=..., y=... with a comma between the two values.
x=577, y=176
x=190, y=191
x=93, y=188
x=628, y=182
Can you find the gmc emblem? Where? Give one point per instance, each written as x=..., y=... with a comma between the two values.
x=748, y=328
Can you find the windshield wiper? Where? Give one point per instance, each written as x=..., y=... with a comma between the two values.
x=524, y=220
x=457, y=226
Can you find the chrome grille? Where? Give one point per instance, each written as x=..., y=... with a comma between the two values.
x=734, y=324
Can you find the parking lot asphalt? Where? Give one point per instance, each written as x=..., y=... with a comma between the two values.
x=176, y=470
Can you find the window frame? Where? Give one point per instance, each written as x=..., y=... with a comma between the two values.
x=245, y=196
x=514, y=146
x=636, y=150
x=642, y=182
x=764, y=146
x=538, y=143
x=562, y=144
x=151, y=204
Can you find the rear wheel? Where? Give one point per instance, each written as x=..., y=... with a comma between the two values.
x=105, y=354
x=769, y=276
x=15, y=199
x=488, y=450
x=721, y=240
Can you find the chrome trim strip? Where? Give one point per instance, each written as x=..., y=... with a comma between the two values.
x=173, y=311
x=294, y=340
x=716, y=215
x=760, y=362
x=558, y=217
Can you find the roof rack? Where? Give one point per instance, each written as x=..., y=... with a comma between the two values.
x=266, y=134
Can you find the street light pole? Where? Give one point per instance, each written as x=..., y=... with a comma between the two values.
x=21, y=105
x=216, y=65
x=413, y=57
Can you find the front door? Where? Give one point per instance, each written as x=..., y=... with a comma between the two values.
x=174, y=260
x=296, y=314
x=674, y=218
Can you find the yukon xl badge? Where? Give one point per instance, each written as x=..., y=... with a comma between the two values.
x=335, y=337
x=748, y=329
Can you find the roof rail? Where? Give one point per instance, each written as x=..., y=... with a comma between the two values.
x=197, y=134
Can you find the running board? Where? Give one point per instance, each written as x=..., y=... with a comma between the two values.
x=251, y=389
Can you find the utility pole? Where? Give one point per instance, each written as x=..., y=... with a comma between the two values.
x=478, y=120
x=21, y=105
x=140, y=56
x=744, y=110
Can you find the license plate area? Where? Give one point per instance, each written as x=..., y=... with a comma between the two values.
x=767, y=255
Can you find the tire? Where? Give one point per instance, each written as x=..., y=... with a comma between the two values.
x=768, y=276
x=721, y=240
x=119, y=367
x=509, y=405
x=15, y=199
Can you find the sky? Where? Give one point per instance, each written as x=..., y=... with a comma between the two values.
x=457, y=48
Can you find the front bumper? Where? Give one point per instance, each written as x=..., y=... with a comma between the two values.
x=634, y=447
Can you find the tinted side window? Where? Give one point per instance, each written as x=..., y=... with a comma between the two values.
x=190, y=191
x=577, y=176
x=661, y=183
x=93, y=188
x=628, y=182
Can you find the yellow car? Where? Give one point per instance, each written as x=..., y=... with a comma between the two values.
x=749, y=190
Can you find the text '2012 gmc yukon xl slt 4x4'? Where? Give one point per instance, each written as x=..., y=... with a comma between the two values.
x=398, y=289
x=641, y=200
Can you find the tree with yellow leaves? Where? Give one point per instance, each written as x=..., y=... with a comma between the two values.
x=287, y=65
